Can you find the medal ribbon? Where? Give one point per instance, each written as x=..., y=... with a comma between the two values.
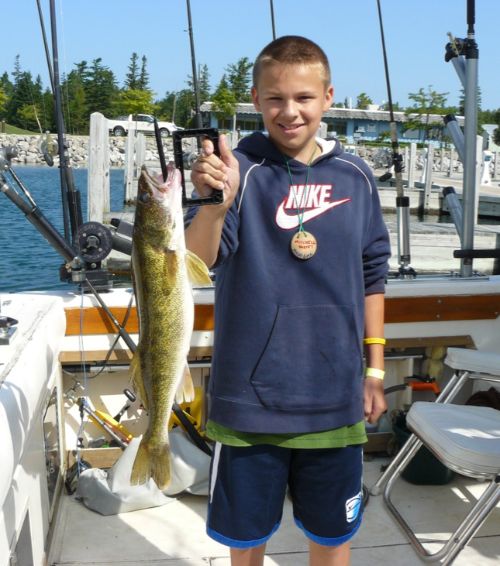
x=303, y=200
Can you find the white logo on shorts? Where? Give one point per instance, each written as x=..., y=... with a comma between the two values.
x=352, y=507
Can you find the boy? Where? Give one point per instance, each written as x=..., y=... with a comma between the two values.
x=300, y=251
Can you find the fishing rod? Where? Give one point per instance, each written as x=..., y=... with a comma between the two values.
x=72, y=194
x=402, y=201
x=46, y=45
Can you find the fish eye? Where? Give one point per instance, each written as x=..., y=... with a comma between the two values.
x=144, y=197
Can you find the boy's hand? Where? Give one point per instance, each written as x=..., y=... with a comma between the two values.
x=210, y=172
x=374, y=400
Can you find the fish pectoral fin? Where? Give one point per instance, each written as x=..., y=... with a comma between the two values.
x=135, y=368
x=185, y=391
x=197, y=269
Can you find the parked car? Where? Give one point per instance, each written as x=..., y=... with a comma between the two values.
x=140, y=122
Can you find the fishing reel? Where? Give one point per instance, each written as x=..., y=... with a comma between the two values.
x=6, y=155
x=94, y=243
x=48, y=147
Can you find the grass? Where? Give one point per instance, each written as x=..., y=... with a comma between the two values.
x=8, y=129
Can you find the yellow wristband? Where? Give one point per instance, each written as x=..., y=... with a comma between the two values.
x=368, y=341
x=374, y=372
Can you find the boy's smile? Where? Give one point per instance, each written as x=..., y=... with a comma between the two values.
x=292, y=99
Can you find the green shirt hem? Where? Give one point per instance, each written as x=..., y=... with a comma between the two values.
x=335, y=438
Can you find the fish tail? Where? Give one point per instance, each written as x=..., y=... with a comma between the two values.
x=151, y=461
x=141, y=470
x=160, y=466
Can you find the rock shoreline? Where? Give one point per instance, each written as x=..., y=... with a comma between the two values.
x=28, y=152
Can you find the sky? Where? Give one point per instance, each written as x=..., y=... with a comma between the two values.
x=226, y=30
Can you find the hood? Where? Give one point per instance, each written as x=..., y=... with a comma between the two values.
x=259, y=145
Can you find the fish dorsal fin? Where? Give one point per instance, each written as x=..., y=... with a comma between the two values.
x=197, y=269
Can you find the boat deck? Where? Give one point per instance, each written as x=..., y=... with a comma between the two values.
x=174, y=534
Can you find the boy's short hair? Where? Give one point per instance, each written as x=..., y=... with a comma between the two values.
x=291, y=49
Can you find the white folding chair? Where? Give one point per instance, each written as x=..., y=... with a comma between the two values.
x=464, y=438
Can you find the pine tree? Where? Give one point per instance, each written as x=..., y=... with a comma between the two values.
x=101, y=90
x=23, y=93
x=75, y=106
x=224, y=101
x=238, y=78
x=143, y=82
x=132, y=77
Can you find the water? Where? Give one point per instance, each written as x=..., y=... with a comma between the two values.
x=27, y=260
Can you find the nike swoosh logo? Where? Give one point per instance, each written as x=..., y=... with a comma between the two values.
x=288, y=222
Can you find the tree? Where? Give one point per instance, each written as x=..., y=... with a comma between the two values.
x=204, y=83
x=6, y=85
x=238, y=79
x=496, y=136
x=166, y=107
x=363, y=100
x=76, y=117
x=184, y=108
x=3, y=103
x=24, y=93
x=143, y=83
x=461, y=103
x=27, y=117
x=396, y=107
x=101, y=90
x=224, y=101
x=132, y=76
x=134, y=101
x=426, y=103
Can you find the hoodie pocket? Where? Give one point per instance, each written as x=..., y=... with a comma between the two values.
x=310, y=360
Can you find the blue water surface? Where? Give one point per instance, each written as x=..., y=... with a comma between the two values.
x=27, y=261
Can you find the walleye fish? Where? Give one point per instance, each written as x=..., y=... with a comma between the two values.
x=160, y=264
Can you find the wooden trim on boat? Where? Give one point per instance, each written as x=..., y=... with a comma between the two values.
x=94, y=320
x=397, y=309
x=441, y=308
x=429, y=342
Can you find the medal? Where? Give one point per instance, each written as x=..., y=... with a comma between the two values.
x=303, y=245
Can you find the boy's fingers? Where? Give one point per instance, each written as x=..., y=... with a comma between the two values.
x=226, y=154
x=207, y=147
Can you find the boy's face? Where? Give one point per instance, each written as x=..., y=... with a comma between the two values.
x=292, y=99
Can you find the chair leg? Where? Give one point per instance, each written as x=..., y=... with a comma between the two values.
x=472, y=522
x=464, y=532
x=398, y=464
x=409, y=449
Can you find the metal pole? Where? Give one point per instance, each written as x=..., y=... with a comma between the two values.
x=402, y=201
x=470, y=131
x=193, y=65
x=272, y=19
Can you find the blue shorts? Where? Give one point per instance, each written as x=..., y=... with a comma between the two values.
x=248, y=487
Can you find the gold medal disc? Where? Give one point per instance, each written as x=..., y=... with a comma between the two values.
x=303, y=245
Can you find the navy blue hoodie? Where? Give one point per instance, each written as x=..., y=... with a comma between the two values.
x=288, y=332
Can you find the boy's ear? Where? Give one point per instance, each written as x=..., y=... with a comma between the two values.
x=255, y=98
x=328, y=97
